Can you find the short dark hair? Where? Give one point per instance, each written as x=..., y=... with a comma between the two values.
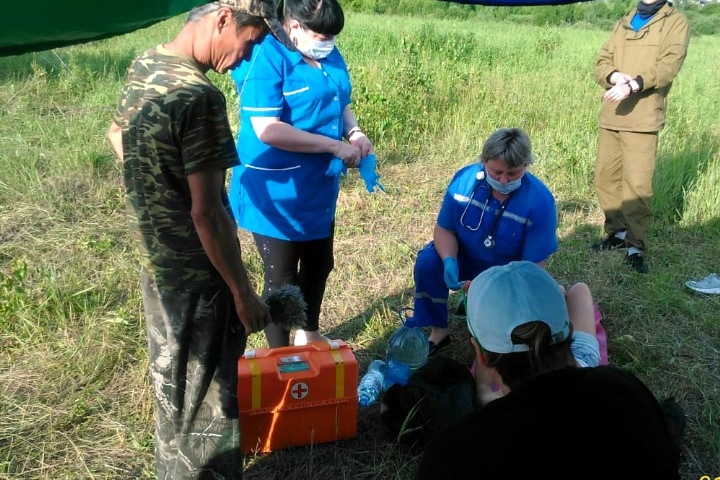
x=542, y=357
x=325, y=17
x=244, y=20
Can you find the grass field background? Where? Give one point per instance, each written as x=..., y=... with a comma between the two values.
x=75, y=401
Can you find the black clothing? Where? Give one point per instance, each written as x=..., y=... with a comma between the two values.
x=647, y=10
x=306, y=264
x=578, y=423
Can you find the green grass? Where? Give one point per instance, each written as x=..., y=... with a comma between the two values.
x=74, y=397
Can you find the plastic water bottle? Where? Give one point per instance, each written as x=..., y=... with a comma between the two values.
x=407, y=350
x=371, y=384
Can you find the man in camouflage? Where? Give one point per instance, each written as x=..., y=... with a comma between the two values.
x=172, y=134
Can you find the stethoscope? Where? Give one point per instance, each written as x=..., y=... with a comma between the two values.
x=489, y=241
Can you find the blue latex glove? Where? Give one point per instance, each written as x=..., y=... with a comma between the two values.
x=367, y=172
x=337, y=167
x=452, y=273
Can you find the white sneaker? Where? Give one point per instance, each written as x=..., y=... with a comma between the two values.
x=709, y=284
x=300, y=338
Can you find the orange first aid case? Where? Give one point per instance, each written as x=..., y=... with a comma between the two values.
x=296, y=396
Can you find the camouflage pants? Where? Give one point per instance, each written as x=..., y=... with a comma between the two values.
x=195, y=341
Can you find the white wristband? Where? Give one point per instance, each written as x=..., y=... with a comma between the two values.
x=353, y=131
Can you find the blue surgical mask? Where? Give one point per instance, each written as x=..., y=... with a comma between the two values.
x=506, y=188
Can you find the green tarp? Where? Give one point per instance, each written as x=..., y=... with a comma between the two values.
x=45, y=24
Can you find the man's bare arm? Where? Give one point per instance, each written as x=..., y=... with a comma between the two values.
x=218, y=234
x=114, y=134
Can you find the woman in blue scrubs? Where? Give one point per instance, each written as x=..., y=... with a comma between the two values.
x=494, y=212
x=294, y=113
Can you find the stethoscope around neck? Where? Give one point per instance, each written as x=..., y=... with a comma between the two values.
x=489, y=241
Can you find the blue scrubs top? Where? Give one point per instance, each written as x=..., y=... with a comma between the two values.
x=525, y=231
x=275, y=192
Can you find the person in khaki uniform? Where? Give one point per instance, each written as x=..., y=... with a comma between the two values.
x=171, y=133
x=636, y=66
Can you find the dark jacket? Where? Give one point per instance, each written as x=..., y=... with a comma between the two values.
x=598, y=423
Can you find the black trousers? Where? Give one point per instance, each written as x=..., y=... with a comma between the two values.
x=305, y=264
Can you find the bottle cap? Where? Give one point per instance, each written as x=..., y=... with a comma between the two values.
x=406, y=317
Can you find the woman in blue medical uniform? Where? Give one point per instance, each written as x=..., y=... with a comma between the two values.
x=294, y=113
x=493, y=212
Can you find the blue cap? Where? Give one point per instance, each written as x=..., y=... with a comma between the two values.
x=504, y=297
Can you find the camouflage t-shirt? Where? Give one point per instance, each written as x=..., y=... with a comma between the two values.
x=174, y=123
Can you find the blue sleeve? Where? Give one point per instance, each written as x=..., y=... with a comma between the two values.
x=261, y=93
x=463, y=182
x=445, y=216
x=541, y=237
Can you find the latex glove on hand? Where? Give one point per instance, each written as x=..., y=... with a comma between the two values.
x=367, y=168
x=337, y=167
x=452, y=272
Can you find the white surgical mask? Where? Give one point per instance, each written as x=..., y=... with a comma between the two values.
x=318, y=50
x=314, y=49
x=506, y=188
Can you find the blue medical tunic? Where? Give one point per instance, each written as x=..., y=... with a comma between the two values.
x=275, y=192
x=526, y=230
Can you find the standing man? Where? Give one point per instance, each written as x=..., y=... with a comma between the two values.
x=636, y=66
x=172, y=134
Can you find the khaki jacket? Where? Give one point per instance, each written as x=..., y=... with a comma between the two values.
x=655, y=52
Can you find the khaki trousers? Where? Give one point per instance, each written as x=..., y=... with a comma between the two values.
x=623, y=181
